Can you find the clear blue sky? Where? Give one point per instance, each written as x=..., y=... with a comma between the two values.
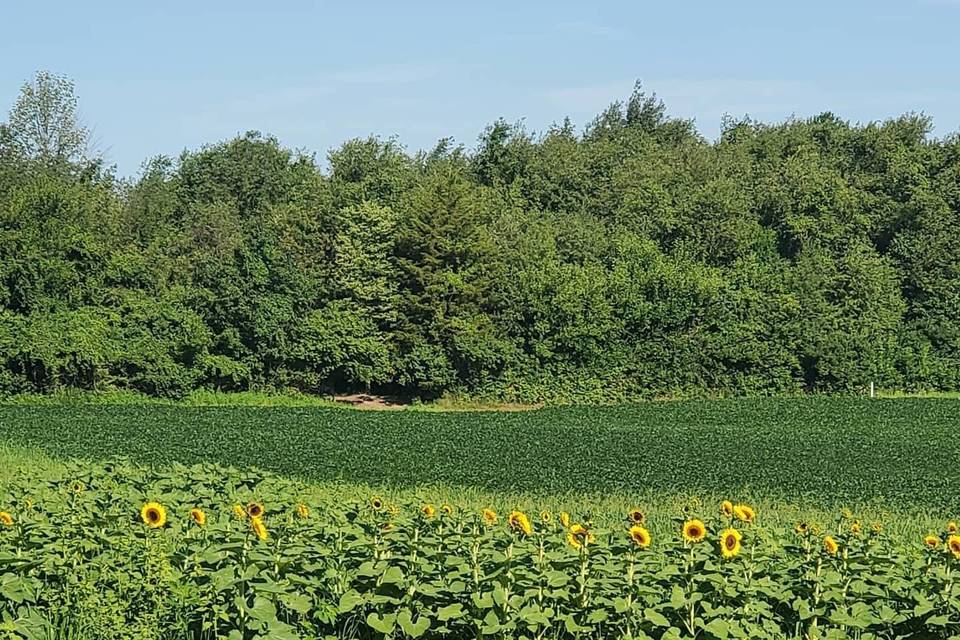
x=159, y=77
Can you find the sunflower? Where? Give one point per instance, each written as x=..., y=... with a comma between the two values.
x=636, y=515
x=726, y=508
x=376, y=502
x=855, y=527
x=446, y=510
x=303, y=511
x=259, y=529
x=198, y=516
x=387, y=526
x=520, y=522
x=953, y=544
x=489, y=516
x=239, y=512
x=393, y=510
x=952, y=527
x=694, y=530
x=744, y=513
x=830, y=545
x=564, y=519
x=153, y=515
x=801, y=528
x=6, y=519
x=428, y=511
x=255, y=510
x=77, y=487
x=877, y=527
x=579, y=537
x=640, y=536
x=545, y=517
x=730, y=542
x=931, y=541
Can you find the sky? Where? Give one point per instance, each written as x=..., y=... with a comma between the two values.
x=160, y=77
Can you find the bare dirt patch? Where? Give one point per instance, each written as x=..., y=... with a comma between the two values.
x=374, y=402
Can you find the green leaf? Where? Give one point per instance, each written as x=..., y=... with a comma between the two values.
x=411, y=628
x=718, y=628
x=657, y=618
x=349, y=601
x=297, y=602
x=382, y=623
x=263, y=610
x=450, y=612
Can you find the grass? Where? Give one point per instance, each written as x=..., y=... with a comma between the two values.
x=818, y=451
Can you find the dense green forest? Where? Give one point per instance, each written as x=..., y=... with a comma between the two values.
x=630, y=258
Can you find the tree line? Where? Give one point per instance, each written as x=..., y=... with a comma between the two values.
x=632, y=258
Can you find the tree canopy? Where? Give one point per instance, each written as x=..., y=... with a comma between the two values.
x=631, y=259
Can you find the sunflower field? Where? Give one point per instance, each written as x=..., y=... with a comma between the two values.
x=119, y=551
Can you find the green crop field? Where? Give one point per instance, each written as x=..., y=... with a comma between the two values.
x=311, y=522
x=829, y=451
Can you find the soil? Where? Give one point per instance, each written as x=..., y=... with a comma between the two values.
x=369, y=401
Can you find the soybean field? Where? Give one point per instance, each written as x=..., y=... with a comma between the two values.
x=822, y=450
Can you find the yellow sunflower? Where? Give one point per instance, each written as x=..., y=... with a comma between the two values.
x=579, y=537
x=931, y=541
x=564, y=519
x=489, y=516
x=303, y=511
x=388, y=526
x=198, y=516
x=153, y=515
x=239, y=512
x=952, y=527
x=545, y=517
x=520, y=522
x=255, y=510
x=446, y=510
x=744, y=513
x=953, y=544
x=640, y=536
x=636, y=515
x=855, y=527
x=877, y=527
x=6, y=519
x=428, y=511
x=726, y=508
x=730, y=543
x=78, y=487
x=259, y=529
x=801, y=528
x=694, y=530
x=376, y=502
x=830, y=545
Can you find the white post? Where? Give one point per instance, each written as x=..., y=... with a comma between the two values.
x=871, y=389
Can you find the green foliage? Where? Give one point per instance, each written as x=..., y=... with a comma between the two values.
x=634, y=259
x=43, y=122
x=842, y=451
x=81, y=558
